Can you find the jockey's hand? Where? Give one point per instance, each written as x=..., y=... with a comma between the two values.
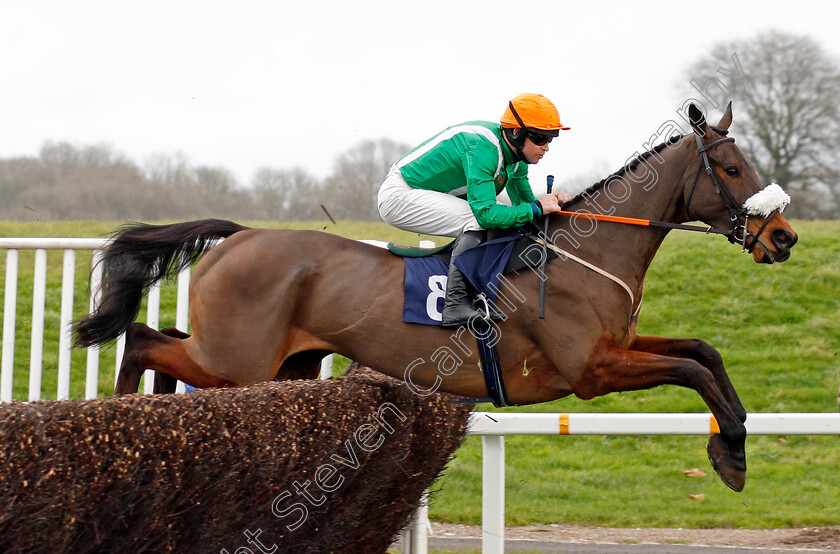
x=553, y=202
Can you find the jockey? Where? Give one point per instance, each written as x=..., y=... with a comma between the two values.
x=448, y=185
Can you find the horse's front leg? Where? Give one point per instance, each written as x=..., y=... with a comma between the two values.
x=613, y=369
x=703, y=353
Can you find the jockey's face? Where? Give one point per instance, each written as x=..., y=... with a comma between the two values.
x=532, y=153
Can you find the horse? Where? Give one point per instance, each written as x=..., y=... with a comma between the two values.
x=269, y=304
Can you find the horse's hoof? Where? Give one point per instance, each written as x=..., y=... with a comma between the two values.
x=732, y=472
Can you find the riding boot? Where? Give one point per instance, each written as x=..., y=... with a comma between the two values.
x=458, y=306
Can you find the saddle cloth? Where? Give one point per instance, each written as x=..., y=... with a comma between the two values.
x=484, y=265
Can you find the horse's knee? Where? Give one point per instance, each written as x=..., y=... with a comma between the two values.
x=696, y=375
x=711, y=358
x=707, y=353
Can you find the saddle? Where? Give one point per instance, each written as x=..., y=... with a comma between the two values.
x=520, y=256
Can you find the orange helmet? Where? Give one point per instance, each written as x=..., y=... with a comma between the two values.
x=532, y=111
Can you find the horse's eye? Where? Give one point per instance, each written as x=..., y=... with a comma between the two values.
x=733, y=171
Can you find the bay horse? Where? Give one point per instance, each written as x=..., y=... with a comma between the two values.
x=270, y=303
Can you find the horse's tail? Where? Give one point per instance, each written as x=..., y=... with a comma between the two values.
x=138, y=256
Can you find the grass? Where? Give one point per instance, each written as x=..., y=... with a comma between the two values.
x=777, y=328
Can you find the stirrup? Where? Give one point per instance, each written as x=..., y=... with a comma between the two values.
x=487, y=313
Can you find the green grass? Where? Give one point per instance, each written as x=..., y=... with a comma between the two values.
x=777, y=328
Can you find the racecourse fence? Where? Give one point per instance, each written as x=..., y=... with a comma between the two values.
x=492, y=427
x=69, y=247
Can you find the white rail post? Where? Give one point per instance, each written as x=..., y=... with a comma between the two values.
x=182, y=311
x=153, y=321
x=415, y=536
x=68, y=283
x=92, y=365
x=119, y=350
x=36, y=345
x=493, y=494
x=327, y=367
x=7, y=379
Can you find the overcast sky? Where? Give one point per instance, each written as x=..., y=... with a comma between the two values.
x=248, y=84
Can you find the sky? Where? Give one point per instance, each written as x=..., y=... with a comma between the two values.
x=245, y=85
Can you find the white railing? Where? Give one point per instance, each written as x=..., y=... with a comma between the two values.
x=493, y=427
x=39, y=287
x=40, y=246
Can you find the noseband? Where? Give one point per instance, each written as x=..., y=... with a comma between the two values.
x=738, y=232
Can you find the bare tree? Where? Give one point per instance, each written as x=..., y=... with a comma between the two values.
x=786, y=92
x=69, y=182
x=217, y=194
x=281, y=194
x=17, y=175
x=172, y=170
x=352, y=188
x=202, y=191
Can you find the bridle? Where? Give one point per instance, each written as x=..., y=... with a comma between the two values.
x=738, y=232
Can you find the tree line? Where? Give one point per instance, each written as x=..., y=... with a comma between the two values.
x=70, y=182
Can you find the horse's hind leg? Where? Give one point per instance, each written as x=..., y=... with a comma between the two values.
x=166, y=384
x=146, y=348
x=303, y=365
x=129, y=378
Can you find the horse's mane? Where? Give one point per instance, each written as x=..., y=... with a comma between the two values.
x=632, y=165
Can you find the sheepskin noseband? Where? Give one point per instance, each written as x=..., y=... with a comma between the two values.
x=767, y=200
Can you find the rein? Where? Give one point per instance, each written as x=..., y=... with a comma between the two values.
x=646, y=222
x=737, y=234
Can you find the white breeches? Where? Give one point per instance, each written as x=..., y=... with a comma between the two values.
x=423, y=211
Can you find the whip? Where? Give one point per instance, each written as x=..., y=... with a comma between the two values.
x=549, y=182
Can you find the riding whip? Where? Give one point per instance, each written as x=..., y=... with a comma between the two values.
x=549, y=181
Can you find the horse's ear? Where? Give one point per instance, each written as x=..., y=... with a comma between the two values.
x=698, y=120
x=726, y=120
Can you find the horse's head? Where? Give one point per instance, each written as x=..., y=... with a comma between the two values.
x=726, y=193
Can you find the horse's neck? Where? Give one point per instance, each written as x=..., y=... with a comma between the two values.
x=652, y=191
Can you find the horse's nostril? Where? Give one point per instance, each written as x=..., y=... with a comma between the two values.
x=783, y=238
